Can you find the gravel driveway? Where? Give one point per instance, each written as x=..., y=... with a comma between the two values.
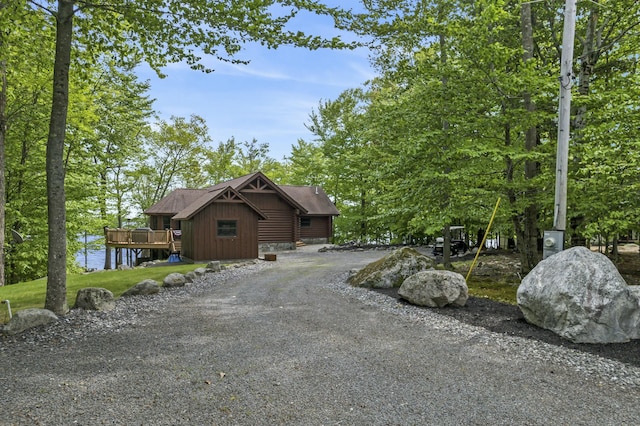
x=287, y=342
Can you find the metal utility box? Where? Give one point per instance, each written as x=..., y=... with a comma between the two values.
x=552, y=243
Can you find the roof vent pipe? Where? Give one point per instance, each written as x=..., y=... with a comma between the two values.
x=316, y=190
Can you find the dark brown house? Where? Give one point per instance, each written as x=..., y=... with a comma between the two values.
x=237, y=218
x=316, y=225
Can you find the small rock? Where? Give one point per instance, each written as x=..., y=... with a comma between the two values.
x=143, y=288
x=174, y=280
x=95, y=299
x=213, y=266
x=29, y=318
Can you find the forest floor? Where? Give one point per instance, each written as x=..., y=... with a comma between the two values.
x=503, y=266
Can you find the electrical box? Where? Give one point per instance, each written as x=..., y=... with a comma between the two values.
x=552, y=243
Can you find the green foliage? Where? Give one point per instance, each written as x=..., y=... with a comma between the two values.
x=173, y=157
x=434, y=141
x=441, y=134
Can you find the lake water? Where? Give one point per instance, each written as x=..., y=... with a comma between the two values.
x=92, y=259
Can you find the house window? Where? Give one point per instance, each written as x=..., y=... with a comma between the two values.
x=166, y=222
x=227, y=228
x=305, y=222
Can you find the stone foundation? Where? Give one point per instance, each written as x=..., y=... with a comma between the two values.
x=312, y=241
x=269, y=247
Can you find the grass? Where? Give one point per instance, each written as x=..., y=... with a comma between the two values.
x=498, y=288
x=32, y=294
x=499, y=291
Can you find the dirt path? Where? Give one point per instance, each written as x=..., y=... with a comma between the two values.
x=278, y=346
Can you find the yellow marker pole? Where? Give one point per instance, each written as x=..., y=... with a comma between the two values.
x=495, y=209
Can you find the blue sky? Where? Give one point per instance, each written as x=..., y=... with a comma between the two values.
x=269, y=99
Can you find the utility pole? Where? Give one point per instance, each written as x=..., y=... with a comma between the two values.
x=554, y=240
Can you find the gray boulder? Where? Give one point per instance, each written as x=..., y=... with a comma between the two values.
x=435, y=289
x=391, y=270
x=200, y=271
x=581, y=296
x=28, y=318
x=174, y=280
x=143, y=288
x=95, y=299
x=213, y=266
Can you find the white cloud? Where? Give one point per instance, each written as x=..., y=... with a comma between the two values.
x=269, y=99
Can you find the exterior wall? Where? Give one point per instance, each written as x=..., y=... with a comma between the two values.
x=279, y=227
x=186, y=248
x=321, y=228
x=157, y=223
x=199, y=235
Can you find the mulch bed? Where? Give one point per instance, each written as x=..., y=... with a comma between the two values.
x=508, y=319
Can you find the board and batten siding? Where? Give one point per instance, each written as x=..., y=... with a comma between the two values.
x=281, y=223
x=206, y=245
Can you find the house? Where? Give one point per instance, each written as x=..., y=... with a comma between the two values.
x=238, y=218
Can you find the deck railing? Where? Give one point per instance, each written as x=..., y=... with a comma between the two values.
x=141, y=238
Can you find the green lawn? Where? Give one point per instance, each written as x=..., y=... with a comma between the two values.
x=497, y=288
x=498, y=291
x=32, y=294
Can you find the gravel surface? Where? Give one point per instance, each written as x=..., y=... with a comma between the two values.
x=288, y=342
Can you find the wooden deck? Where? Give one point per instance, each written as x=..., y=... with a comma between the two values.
x=142, y=239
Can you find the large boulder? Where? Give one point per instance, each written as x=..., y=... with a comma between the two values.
x=143, y=288
x=28, y=318
x=95, y=299
x=435, y=289
x=392, y=270
x=581, y=296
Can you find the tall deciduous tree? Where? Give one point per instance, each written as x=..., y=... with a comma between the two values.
x=159, y=31
x=221, y=163
x=4, y=23
x=28, y=95
x=174, y=152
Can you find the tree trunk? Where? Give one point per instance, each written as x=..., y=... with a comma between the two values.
x=588, y=59
x=528, y=248
x=56, y=299
x=446, y=248
x=3, y=132
x=516, y=218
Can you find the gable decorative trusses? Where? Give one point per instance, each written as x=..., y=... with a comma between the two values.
x=259, y=184
x=228, y=195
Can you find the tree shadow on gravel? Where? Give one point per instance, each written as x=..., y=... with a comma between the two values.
x=508, y=319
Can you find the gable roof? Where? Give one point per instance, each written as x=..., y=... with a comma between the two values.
x=313, y=198
x=226, y=193
x=176, y=201
x=244, y=183
x=310, y=200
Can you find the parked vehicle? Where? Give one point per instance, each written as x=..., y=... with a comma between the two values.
x=457, y=246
